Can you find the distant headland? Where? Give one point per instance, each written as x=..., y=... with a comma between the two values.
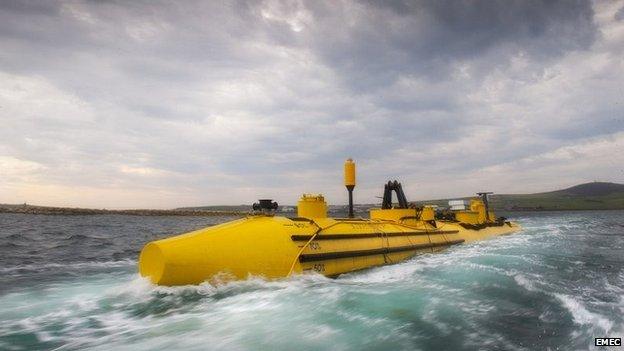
x=588, y=196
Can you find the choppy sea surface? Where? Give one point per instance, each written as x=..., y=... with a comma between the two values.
x=71, y=282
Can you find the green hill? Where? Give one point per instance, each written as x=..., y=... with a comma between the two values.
x=588, y=196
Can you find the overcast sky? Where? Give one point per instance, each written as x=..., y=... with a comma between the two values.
x=166, y=104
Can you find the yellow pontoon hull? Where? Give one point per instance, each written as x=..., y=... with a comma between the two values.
x=275, y=247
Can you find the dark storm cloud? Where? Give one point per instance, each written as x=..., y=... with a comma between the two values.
x=426, y=38
x=620, y=14
x=189, y=96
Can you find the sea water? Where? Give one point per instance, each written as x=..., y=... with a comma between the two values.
x=71, y=282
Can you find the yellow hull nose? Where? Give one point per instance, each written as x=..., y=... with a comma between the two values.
x=274, y=247
x=152, y=262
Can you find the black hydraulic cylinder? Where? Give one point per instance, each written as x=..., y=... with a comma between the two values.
x=350, y=189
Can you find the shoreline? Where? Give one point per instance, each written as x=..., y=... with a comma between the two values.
x=68, y=211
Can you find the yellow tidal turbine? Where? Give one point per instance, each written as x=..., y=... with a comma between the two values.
x=271, y=246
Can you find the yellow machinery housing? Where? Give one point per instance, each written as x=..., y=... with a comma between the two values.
x=270, y=246
x=312, y=206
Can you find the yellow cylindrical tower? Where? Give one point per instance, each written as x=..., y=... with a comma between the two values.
x=312, y=206
x=349, y=179
x=349, y=173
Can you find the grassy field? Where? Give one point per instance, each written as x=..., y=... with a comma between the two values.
x=589, y=196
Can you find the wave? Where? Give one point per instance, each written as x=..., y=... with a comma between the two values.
x=579, y=312
x=547, y=276
x=581, y=315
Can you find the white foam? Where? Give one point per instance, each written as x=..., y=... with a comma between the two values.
x=581, y=315
x=524, y=282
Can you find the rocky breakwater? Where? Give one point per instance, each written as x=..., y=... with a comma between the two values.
x=47, y=210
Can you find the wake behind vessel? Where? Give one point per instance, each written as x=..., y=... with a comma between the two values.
x=263, y=244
